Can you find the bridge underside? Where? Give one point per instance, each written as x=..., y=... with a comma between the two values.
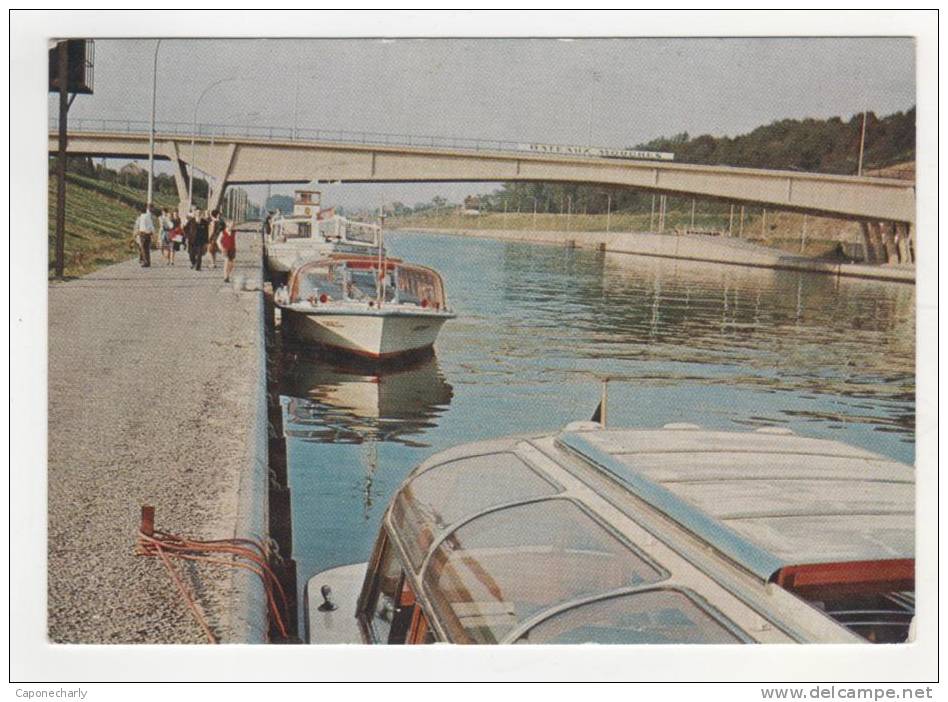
x=880, y=204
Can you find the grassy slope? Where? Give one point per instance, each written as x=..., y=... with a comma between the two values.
x=98, y=225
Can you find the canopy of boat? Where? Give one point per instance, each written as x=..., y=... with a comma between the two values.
x=504, y=550
x=339, y=276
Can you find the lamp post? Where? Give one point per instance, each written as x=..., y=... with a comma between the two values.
x=197, y=105
x=151, y=131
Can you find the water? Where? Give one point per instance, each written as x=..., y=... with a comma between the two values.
x=720, y=346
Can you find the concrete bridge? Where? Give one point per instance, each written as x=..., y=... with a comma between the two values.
x=230, y=156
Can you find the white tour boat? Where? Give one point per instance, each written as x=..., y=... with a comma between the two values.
x=635, y=536
x=310, y=232
x=372, y=307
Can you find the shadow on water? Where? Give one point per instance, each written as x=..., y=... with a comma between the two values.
x=726, y=347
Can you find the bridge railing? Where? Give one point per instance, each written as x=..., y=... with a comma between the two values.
x=85, y=124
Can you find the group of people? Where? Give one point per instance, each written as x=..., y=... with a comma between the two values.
x=200, y=233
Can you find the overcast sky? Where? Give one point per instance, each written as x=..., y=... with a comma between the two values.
x=609, y=92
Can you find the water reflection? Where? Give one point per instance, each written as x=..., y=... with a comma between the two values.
x=332, y=404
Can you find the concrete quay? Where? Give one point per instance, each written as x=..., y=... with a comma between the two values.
x=692, y=247
x=156, y=396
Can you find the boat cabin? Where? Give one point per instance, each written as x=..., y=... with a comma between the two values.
x=345, y=278
x=635, y=536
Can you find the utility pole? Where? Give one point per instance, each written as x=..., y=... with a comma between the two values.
x=63, y=57
x=692, y=213
x=151, y=131
x=862, y=143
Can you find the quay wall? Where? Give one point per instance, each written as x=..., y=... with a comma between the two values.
x=710, y=249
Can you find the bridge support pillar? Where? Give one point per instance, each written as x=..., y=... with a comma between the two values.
x=217, y=193
x=903, y=242
x=867, y=242
x=888, y=237
x=169, y=150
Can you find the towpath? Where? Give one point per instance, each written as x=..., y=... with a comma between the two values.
x=153, y=399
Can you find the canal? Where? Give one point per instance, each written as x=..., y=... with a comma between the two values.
x=720, y=346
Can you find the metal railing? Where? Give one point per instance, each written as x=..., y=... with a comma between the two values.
x=128, y=126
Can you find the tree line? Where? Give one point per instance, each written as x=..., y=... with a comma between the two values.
x=813, y=145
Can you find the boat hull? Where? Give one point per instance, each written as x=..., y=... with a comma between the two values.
x=378, y=336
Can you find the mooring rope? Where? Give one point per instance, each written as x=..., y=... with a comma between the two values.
x=166, y=546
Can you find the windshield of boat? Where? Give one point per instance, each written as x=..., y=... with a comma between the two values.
x=440, y=496
x=316, y=279
x=420, y=286
x=499, y=570
x=655, y=616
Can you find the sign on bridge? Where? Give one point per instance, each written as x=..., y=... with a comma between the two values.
x=596, y=152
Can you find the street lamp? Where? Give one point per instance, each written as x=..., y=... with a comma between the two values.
x=194, y=130
x=151, y=132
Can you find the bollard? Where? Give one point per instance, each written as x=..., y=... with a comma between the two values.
x=148, y=520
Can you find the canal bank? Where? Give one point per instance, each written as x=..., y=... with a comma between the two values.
x=156, y=397
x=692, y=247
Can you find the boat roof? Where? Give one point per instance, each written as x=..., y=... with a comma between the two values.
x=766, y=499
x=619, y=512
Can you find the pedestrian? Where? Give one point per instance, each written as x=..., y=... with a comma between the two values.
x=216, y=227
x=228, y=244
x=144, y=230
x=200, y=239
x=190, y=235
x=267, y=226
x=177, y=235
x=164, y=224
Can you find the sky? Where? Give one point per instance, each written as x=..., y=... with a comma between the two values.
x=602, y=92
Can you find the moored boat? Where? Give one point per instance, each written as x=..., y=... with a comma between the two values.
x=370, y=307
x=311, y=231
x=635, y=536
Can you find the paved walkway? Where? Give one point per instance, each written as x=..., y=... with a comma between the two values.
x=153, y=376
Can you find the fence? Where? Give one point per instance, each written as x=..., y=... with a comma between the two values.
x=126, y=126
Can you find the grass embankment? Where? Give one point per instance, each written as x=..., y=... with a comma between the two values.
x=783, y=230
x=99, y=220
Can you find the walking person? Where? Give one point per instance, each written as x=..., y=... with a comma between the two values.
x=190, y=235
x=228, y=244
x=145, y=229
x=199, y=245
x=177, y=235
x=216, y=227
x=164, y=224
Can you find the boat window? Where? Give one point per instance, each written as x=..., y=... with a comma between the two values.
x=649, y=617
x=312, y=281
x=418, y=286
x=382, y=607
x=500, y=569
x=447, y=493
x=361, y=285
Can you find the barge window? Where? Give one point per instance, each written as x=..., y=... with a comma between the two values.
x=648, y=617
x=451, y=491
x=504, y=567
